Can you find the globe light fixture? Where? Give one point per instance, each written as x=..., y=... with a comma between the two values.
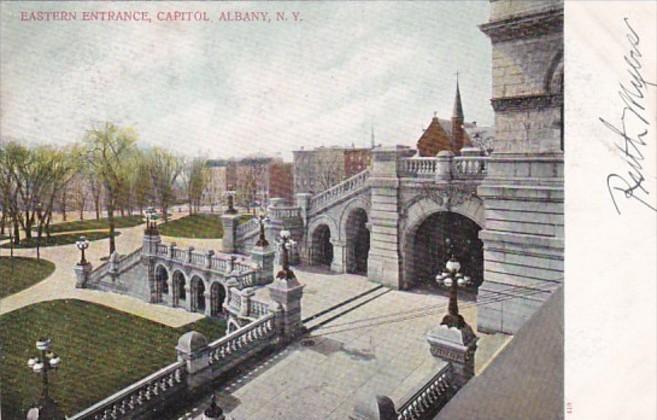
x=452, y=279
x=42, y=365
x=286, y=243
x=82, y=244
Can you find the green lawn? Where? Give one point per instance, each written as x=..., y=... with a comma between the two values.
x=23, y=273
x=64, y=239
x=92, y=224
x=200, y=226
x=102, y=350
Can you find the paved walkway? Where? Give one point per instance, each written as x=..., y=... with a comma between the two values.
x=378, y=348
x=61, y=283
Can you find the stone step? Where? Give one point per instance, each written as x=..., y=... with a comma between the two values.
x=321, y=318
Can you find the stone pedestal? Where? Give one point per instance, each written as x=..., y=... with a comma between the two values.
x=82, y=274
x=230, y=223
x=150, y=242
x=444, y=165
x=264, y=257
x=456, y=346
x=192, y=348
x=287, y=293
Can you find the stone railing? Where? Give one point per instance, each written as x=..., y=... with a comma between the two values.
x=99, y=272
x=247, y=227
x=338, y=191
x=241, y=343
x=426, y=402
x=469, y=167
x=140, y=395
x=287, y=212
x=447, y=167
x=418, y=167
x=258, y=308
x=129, y=260
x=162, y=250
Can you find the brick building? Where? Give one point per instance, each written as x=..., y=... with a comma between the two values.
x=254, y=179
x=318, y=169
x=453, y=134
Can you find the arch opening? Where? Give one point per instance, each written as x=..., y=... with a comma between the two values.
x=197, y=294
x=427, y=250
x=179, y=293
x=322, y=249
x=161, y=282
x=217, y=298
x=358, y=242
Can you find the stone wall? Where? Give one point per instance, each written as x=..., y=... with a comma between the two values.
x=523, y=189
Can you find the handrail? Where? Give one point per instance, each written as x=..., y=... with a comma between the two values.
x=338, y=191
x=136, y=394
x=241, y=341
x=244, y=228
x=469, y=167
x=431, y=396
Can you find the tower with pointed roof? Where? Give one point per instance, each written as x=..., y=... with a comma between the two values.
x=458, y=137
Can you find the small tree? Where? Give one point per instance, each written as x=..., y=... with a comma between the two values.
x=195, y=180
x=165, y=168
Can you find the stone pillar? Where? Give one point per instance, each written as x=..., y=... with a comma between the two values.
x=208, y=258
x=193, y=349
x=230, y=223
x=150, y=242
x=523, y=191
x=188, y=296
x=456, y=346
x=444, y=165
x=172, y=248
x=82, y=274
x=208, y=307
x=303, y=202
x=287, y=293
x=383, y=262
x=264, y=257
x=339, y=263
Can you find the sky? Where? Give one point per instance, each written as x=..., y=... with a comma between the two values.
x=229, y=89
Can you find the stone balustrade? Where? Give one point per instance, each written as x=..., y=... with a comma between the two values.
x=469, y=167
x=247, y=227
x=239, y=343
x=338, y=191
x=139, y=396
x=459, y=167
x=286, y=212
x=427, y=400
x=418, y=167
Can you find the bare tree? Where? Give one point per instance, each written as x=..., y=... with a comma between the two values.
x=165, y=168
x=329, y=170
x=195, y=180
x=108, y=150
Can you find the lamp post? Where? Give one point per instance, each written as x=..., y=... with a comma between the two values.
x=151, y=220
x=38, y=209
x=452, y=278
x=82, y=244
x=286, y=242
x=231, y=205
x=262, y=240
x=11, y=250
x=47, y=361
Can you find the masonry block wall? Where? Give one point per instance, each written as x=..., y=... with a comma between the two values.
x=523, y=191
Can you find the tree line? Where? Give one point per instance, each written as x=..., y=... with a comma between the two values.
x=107, y=170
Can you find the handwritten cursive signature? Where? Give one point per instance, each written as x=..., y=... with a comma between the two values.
x=631, y=143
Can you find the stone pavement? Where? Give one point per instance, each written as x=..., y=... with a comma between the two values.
x=379, y=348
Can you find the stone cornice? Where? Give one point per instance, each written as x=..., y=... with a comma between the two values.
x=526, y=102
x=525, y=26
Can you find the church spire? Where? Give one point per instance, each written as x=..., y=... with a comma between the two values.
x=458, y=108
x=372, y=136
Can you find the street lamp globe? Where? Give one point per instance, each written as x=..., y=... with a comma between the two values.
x=453, y=266
x=285, y=234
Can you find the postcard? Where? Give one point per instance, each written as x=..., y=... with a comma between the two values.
x=328, y=210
